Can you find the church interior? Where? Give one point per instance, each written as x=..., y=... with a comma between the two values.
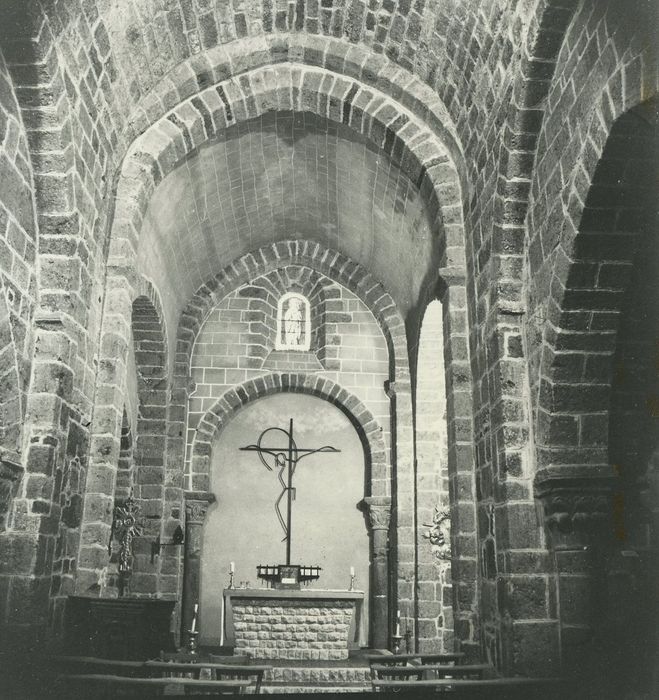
x=329, y=335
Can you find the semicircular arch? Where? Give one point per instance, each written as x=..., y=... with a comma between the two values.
x=235, y=398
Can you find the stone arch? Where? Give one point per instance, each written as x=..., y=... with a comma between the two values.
x=377, y=501
x=586, y=501
x=132, y=311
x=367, y=427
x=432, y=486
x=334, y=265
x=11, y=386
x=368, y=111
x=11, y=412
x=463, y=488
x=241, y=56
x=591, y=261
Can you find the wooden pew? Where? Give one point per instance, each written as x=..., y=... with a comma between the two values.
x=428, y=671
x=111, y=684
x=404, y=659
x=472, y=688
x=216, y=671
x=94, y=665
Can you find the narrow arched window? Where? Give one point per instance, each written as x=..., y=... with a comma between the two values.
x=293, y=323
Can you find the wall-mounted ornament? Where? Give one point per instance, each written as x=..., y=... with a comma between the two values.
x=439, y=534
x=126, y=525
x=293, y=323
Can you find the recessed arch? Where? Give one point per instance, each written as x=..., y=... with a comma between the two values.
x=366, y=111
x=591, y=271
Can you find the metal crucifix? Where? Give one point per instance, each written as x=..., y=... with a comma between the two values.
x=285, y=457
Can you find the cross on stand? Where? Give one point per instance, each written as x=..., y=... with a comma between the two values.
x=285, y=458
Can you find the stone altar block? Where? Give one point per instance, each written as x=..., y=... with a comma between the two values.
x=292, y=624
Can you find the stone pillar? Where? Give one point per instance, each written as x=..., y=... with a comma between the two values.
x=196, y=507
x=379, y=517
x=578, y=522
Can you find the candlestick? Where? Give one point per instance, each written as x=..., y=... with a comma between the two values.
x=194, y=618
x=231, y=586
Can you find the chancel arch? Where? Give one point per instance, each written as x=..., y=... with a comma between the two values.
x=374, y=479
x=328, y=526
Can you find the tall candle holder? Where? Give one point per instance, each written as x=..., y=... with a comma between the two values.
x=231, y=586
x=396, y=639
x=193, y=641
x=352, y=582
x=408, y=641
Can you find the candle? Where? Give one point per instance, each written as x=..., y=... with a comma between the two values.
x=398, y=624
x=352, y=570
x=194, y=617
x=232, y=567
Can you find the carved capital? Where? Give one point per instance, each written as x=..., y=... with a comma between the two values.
x=379, y=511
x=577, y=502
x=196, y=506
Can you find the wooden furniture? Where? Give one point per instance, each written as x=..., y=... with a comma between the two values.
x=402, y=659
x=487, y=688
x=118, y=628
x=428, y=671
x=206, y=669
x=70, y=665
x=139, y=686
x=110, y=673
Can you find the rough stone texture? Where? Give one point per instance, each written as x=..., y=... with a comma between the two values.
x=292, y=629
x=491, y=118
x=238, y=336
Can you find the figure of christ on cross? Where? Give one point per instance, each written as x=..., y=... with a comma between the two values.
x=286, y=458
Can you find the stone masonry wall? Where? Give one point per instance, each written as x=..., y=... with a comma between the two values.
x=18, y=290
x=234, y=342
x=292, y=629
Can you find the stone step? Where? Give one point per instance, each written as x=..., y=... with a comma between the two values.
x=293, y=689
x=312, y=675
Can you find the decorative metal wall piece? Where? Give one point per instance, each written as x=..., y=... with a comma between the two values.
x=285, y=459
x=126, y=525
x=439, y=533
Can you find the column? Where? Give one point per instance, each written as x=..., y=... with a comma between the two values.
x=379, y=517
x=196, y=507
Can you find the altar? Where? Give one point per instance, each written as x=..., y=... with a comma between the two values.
x=292, y=624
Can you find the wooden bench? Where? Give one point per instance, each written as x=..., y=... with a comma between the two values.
x=111, y=683
x=403, y=659
x=92, y=664
x=216, y=671
x=428, y=671
x=485, y=688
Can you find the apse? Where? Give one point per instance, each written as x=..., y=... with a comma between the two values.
x=328, y=527
x=285, y=176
